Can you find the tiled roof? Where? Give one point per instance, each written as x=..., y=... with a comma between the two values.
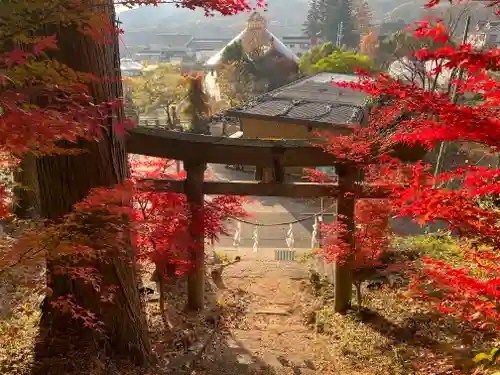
x=277, y=44
x=129, y=64
x=173, y=40
x=312, y=99
x=199, y=44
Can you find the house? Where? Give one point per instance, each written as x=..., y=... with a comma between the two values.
x=298, y=44
x=130, y=68
x=301, y=109
x=204, y=48
x=165, y=47
x=256, y=35
x=148, y=56
x=169, y=47
x=174, y=45
x=486, y=35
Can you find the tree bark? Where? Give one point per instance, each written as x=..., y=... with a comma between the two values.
x=26, y=202
x=169, y=117
x=65, y=180
x=358, y=294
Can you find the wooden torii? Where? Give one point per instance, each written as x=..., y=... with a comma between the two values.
x=197, y=150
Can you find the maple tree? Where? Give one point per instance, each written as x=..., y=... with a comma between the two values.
x=371, y=241
x=369, y=44
x=406, y=114
x=61, y=114
x=161, y=87
x=161, y=220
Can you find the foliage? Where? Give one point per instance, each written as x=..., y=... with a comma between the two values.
x=224, y=7
x=312, y=25
x=234, y=53
x=337, y=61
x=372, y=235
x=197, y=107
x=440, y=246
x=397, y=53
x=161, y=87
x=468, y=292
x=242, y=72
x=234, y=83
x=369, y=45
x=362, y=17
x=49, y=108
x=324, y=18
x=371, y=241
x=390, y=27
x=163, y=219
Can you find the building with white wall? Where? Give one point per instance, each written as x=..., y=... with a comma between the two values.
x=486, y=35
x=299, y=44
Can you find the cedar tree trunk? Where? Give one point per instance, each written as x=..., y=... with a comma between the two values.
x=65, y=180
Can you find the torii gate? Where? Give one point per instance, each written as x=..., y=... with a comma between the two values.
x=198, y=150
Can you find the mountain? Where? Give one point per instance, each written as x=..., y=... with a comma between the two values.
x=152, y=16
x=285, y=17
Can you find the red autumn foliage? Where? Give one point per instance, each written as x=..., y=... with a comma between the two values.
x=224, y=7
x=371, y=236
x=43, y=102
x=416, y=116
x=67, y=112
x=162, y=219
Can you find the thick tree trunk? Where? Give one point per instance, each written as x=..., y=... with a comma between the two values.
x=26, y=202
x=66, y=180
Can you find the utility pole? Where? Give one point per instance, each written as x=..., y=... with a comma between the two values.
x=453, y=99
x=339, y=34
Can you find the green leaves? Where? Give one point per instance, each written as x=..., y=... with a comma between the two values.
x=490, y=357
x=337, y=61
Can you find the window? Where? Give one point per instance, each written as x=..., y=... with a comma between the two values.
x=291, y=45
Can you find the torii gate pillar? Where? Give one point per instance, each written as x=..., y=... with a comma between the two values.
x=194, y=195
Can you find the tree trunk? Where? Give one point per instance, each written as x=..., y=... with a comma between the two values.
x=169, y=117
x=26, y=203
x=357, y=284
x=66, y=180
x=163, y=310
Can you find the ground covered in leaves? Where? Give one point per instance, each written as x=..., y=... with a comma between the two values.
x=268, y=319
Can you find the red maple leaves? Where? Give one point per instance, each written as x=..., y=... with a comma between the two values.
x=465, y=196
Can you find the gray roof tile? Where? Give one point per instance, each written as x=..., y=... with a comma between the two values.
x=314, y=98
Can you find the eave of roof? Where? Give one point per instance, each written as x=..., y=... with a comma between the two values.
x=287, y=103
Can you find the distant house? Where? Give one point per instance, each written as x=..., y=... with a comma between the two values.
x=148, y=56
x=255, y=35
x=298, y=44
x=301, y=109
x=205, y=48
x=176, y=48
x=130, y=68
x=485, y=35
x=173, y=45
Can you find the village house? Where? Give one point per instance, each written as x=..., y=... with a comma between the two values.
x=298, y=44
x=301, y=110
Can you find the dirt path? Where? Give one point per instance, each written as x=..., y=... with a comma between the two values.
x=270, y=336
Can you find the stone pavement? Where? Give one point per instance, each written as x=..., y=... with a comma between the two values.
x=272, y=333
